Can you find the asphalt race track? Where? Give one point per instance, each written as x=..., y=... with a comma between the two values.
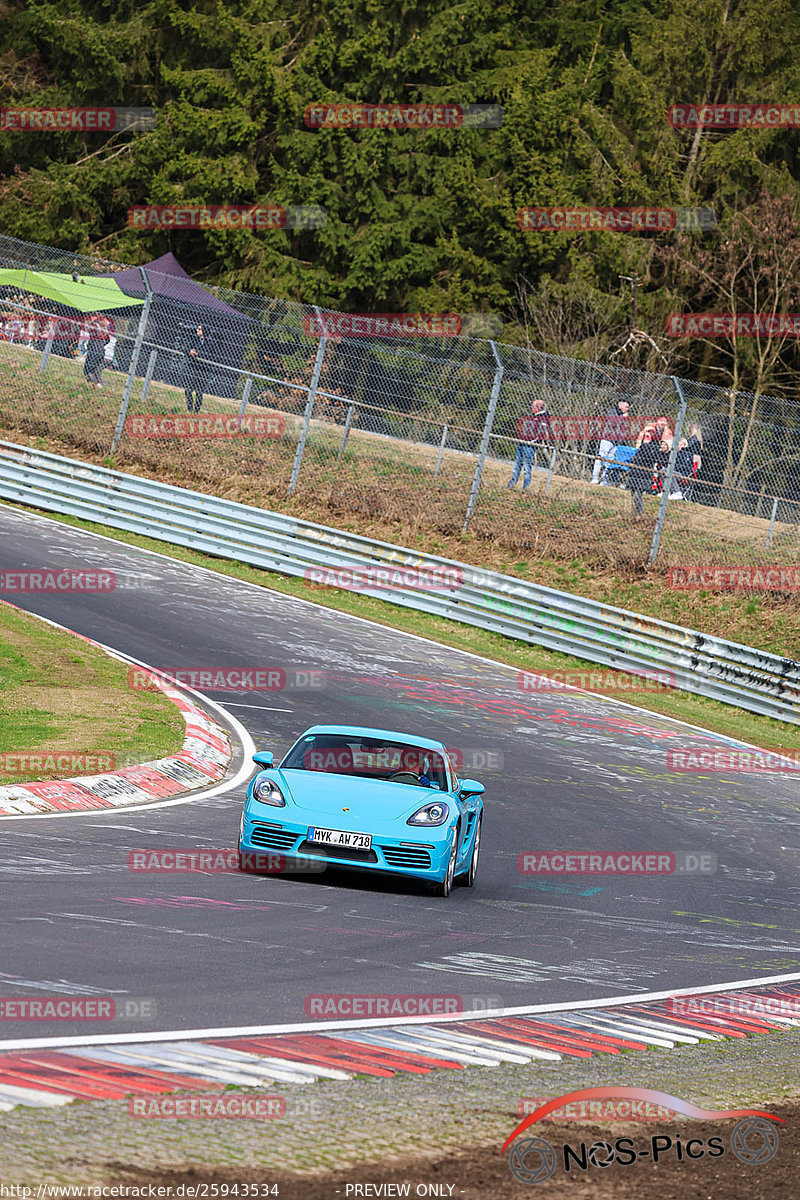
x=577, y=773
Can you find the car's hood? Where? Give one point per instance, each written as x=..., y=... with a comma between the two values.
x=326, y=794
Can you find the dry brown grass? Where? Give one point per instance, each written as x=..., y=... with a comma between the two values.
x=574, y=537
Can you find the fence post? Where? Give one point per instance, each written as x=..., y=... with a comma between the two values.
x=46, y=353
x=772, y=521
x=148, y=378
x=442, y=445
x=487, y=432
x=346, y=431
x=137, y=346
x=309, y=409
x=667, y=485
x=248, y=383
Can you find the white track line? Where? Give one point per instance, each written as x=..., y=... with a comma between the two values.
x=526, y=1010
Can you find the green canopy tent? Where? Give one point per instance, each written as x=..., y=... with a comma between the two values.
x=89, y=294
x=69, y=294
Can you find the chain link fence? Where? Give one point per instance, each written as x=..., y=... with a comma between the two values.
x=276, y=403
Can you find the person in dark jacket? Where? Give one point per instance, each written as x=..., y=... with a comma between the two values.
x=95, y=351
x=615, y=433
x=196, y=350
x=682, y=482
x=533, y=430
x=640, y=476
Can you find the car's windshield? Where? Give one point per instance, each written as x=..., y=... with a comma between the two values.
x=368, y=758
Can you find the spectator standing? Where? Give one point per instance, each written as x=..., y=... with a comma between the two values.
x=615, y=433
x=95, y=356
x=532, y=431
x=195, y=370
x=640, y=475
x=681, y=486
x=664, y=451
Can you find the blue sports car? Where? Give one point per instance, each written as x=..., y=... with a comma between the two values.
x=369, y=799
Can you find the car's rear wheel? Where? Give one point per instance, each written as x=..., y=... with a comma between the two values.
x=469, y=876
x=446, y=886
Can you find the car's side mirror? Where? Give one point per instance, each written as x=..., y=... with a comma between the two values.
x=264, y=758
x=471, y=787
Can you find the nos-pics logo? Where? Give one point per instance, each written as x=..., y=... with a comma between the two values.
x=753, y=1140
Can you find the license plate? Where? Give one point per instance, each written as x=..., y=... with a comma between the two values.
x=340, y=837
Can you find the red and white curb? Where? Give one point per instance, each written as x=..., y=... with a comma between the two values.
x=204, y=759
x=129, y=1067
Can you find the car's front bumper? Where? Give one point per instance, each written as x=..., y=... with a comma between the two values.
x=421, y=856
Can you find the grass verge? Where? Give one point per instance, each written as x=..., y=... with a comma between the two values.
x=60, y=696
x=696, y=710
x=562, y=533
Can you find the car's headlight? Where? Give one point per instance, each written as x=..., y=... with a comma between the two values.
x=267, y=792
x=430, y=814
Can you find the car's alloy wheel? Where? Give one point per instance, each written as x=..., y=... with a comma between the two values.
x=446, y=886
x=468, y=878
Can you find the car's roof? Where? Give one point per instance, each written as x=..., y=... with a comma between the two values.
x=364, y=731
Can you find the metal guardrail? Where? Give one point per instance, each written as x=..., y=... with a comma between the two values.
x=708, y=666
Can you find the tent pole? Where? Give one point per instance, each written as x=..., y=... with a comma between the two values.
x=126, y=395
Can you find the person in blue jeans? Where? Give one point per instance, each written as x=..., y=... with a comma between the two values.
x=532, y=430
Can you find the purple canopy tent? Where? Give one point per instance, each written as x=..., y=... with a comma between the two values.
x=180, y=304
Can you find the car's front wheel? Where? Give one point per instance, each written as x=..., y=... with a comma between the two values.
x=470, y=875
x=446, y=886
